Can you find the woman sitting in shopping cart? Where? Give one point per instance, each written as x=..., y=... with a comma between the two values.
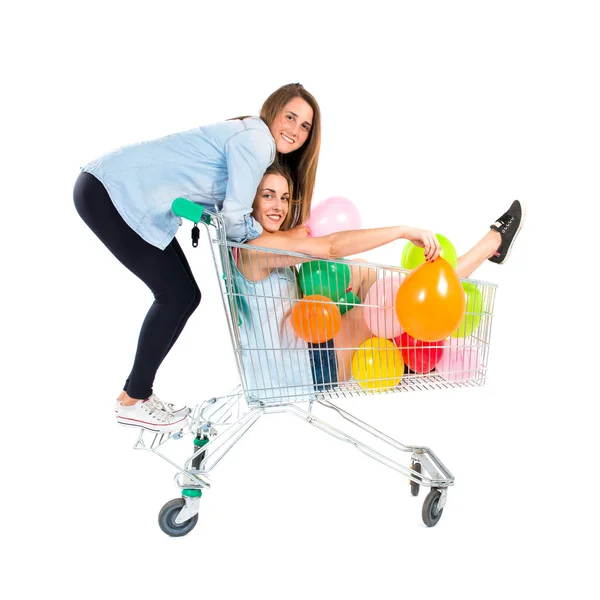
x=278, y=364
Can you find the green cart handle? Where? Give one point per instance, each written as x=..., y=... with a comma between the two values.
x=193, y=212
x=187, y=209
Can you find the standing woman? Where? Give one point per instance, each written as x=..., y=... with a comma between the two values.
x=125, y=198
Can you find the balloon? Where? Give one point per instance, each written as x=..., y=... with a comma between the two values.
x=431, y=301
x=347, y=302
x=377, y=364
x=460, y=360
x=419, y=356
x=380, y=306
x=315, y=319
x=413, y=256
x=332, y=215
x=324, y=278
x=473, y=312
x=404, y=255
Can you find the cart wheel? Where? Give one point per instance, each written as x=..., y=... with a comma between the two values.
x=167, y=515
x=430, y=513
x=414, y=487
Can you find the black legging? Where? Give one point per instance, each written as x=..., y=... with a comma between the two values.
x=166, y=272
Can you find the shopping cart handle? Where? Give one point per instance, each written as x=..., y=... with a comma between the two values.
x=187, y=209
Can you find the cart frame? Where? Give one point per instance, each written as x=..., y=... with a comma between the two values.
x=218, y=423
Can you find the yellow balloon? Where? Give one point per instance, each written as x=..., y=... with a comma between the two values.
x=377, y=364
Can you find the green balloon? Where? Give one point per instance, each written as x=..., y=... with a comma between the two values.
x=325, y=278
x=347, y=302
x=413, y=256
x=473, y=311
x=405, y=251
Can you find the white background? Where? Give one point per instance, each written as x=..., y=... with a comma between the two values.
x=435, y=115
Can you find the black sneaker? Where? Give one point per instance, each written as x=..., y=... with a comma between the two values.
x=508, y=225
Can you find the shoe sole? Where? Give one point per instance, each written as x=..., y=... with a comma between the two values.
x=181, y=413
x=523, y=214
x=151, y=427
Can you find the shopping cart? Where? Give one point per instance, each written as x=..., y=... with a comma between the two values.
x=281, y=367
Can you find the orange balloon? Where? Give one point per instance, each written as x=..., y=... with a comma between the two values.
x=316, y=319
x=431, y=302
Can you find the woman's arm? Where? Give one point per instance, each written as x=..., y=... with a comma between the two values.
x=335, y=245
x=248, y=154
x=348, y=243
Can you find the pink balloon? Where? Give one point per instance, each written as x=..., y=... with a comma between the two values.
x=332, y=215
x=379, y=307
x=460, y=360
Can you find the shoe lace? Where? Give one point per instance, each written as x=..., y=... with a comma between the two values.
x=154, y=407
x=500, y=222
x=169, y=407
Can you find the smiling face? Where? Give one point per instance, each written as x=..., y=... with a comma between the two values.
x=271, y=203
x=291, y=127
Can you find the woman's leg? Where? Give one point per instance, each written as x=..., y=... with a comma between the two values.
x=177, y=247
x=361, y=278
x=353, y=330
x=176, y=294
x=476, y=256
x=497, y=243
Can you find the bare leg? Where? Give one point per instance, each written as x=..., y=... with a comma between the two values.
x=478, y=254
x=361, y=278
x=127, y=400
x=353, y=331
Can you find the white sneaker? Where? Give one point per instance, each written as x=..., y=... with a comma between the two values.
x=182, y=411
x=152, y=415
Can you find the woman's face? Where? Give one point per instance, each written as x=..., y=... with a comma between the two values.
x=271, y=203
x=291, y=127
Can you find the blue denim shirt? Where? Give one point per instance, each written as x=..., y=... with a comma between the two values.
x=216, y=165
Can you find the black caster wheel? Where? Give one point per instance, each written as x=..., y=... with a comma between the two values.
x=414, y=487
x=167, y=515
x=431, y=514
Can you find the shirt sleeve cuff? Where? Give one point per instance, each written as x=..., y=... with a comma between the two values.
x=253, y=227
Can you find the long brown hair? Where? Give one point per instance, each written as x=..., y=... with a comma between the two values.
x=302, y=163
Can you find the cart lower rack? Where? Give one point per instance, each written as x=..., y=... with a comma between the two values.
x=310, y=333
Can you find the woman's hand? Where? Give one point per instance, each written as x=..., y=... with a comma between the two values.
x=423, y=239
